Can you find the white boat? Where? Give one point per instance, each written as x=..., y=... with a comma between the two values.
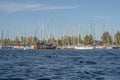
x=29, y=47
x=99, y=47
x=18, y=47
x=107, y=47
x=68, y=47
x=103, y=47
x=84, y=47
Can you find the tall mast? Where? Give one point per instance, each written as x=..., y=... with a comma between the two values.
x=1, y=37
x=42, y=31
x=78, y=35
x=93, y=30
x=73, y=35
x=68, y=43
x=51, y=33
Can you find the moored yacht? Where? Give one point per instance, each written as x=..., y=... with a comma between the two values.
x=84, y=47
x=18, y=47
x=43, y=45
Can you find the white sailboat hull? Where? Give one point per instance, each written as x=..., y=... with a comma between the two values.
x=83, y=47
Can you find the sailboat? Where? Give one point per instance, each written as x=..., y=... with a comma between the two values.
x=82, y=47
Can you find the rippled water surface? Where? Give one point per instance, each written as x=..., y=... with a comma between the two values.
x=60, y=65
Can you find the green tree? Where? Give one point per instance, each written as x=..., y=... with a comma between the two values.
x=91, y=40
x=22, y=39
x=106, y=38
x=80, y=39
x=60, y=42
x=17, y=40
x=88, y=39
x=35, y=40
x=6, y=41
x=30, y=40
x=117, y=38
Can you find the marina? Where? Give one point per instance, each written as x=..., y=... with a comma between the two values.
x=59, y=40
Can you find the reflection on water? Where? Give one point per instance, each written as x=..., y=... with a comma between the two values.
x=60, y=65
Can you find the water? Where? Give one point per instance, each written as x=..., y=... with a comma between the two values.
x=60, y=65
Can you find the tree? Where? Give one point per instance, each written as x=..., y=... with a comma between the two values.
x=91, y=40
x=117, y=38
x=88, y=39
x=60, y=42
x=6, y=41
x=30, y=40
x=80, y=39
x=17, y=40
x=35, y=40
x=22, y=39
x=106, y=38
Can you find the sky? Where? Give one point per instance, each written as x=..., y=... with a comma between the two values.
x=59, y=17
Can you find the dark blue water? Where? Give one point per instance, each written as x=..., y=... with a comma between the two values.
x=60, y=65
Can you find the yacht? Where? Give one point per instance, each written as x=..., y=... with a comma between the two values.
x=84, y=47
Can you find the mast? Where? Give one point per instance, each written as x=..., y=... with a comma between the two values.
x=68, y=43
x=94, y=36
x=42, y=31
x=1, y=37
x=78, y=36
x=73, y=36
x=52, y=32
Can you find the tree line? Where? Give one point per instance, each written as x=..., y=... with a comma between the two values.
x=106, y=38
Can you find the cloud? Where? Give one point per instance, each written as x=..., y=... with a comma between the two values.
x=15, y=7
